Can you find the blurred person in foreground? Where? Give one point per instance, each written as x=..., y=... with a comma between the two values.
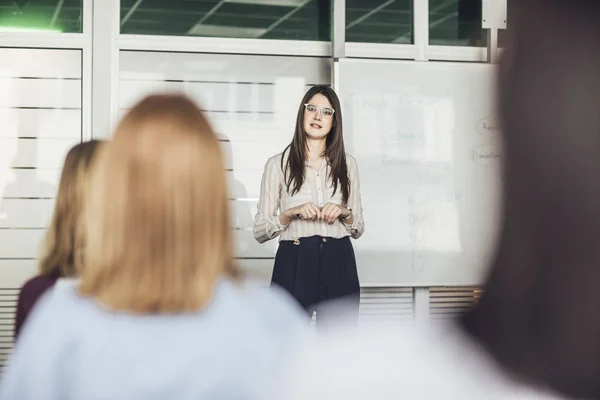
x=160, y=311
x=63, y=242
x=535, y=334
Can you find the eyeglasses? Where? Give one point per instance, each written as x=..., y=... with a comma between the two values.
x=326, y=112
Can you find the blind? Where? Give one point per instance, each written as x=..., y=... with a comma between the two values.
x=389, y=306
x=8, y=304
x=451, y=302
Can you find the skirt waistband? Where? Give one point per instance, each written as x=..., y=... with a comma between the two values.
x=315, y=239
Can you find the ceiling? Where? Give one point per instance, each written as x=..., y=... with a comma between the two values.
x=62, y=15
x=378, y=21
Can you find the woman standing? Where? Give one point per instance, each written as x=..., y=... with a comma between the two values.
x=310, y=198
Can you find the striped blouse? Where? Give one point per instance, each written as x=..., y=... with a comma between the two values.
x=318, y=189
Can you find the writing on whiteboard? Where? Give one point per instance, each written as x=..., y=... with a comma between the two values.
x=394, y=137
x=418, y=218
x=486, y=154
x=488, y=126
x=379, y=101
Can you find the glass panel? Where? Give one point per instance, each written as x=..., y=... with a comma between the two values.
x=379, y=21
x=257, y=19
x=456, y=23
x=41, y=15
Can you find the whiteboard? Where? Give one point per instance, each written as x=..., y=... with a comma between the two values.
x=428, y=151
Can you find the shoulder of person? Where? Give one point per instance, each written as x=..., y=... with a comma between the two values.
x=276, y=159
x=56, y=311
x=68, y=282
x=350, y=160
x=37, y=281
x=63, y=292
x=37, y=285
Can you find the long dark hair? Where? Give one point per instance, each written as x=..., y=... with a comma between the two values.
x=335, y=153
x=540, y=315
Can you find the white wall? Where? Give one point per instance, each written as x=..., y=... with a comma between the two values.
x=40, y=119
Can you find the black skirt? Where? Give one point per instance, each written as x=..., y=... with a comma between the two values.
x=316, y=271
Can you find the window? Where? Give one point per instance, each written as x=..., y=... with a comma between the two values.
x=456, y=23
x=41, y=15
x=256, y=19
x=379, y=21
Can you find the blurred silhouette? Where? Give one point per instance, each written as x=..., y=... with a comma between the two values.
x=540, y=315
x=536, y=331
x=63, y=244
x=161, y=310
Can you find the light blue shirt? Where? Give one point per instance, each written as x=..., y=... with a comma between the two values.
x=71, y=348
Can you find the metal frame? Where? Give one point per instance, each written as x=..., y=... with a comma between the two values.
x=223, y=45
x=421, y=306
x=86, y=53
x=105, y=66
x=338, y=29
x=492, y=49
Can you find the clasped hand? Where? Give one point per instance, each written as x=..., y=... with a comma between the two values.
x=329, y=213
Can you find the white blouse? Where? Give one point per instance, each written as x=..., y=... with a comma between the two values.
x=318, y=189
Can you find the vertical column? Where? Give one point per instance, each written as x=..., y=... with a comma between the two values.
x=421, y=41
x=421, y=28
x=105, y=66
x=338, y=37
x=493, y=17
x=492, y=49
x=86, y=72
x=421, y=306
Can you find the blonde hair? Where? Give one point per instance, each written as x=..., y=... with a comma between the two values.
x=63, y=242
x=158, y=221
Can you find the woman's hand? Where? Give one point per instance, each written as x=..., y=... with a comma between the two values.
x=331, y=212
x=307, y=211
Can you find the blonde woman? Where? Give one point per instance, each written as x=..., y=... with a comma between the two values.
x=160, y=311
x=62, y=246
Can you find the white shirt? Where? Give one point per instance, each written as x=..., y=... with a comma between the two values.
x=318, y=189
